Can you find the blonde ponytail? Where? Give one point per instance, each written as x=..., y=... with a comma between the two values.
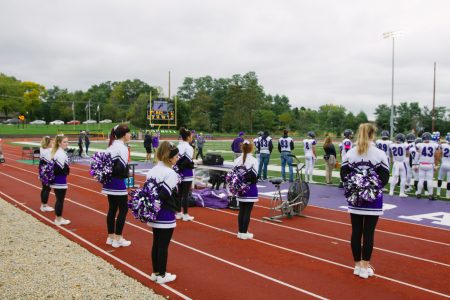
x=366, y=134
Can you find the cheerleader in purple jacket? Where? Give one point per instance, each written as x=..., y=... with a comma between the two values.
x=116, y=188
x=247, y=200
x=61, y=170
x=165, y=222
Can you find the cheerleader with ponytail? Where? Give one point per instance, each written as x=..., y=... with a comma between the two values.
x=116, y=189
x=45, y=154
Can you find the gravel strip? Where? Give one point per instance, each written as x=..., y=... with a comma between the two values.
x=36, y=262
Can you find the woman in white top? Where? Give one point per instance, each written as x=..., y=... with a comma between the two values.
x=45, y=154
x=116, y=188
x=165, y=222
x=247, y=199
x=61, y=171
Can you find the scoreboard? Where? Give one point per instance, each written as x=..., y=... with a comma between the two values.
x=162, y=111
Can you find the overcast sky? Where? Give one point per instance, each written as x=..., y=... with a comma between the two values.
x=315, y=52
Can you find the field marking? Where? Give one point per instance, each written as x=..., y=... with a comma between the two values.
x=273, y=245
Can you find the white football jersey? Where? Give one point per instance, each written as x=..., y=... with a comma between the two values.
x=308, y=147
x=413, y=153
x=384, y=145
x=344, y=147
x=399, y=151
x=445, y=154
x=426, y=152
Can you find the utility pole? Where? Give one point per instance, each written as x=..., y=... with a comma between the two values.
x=433, y=116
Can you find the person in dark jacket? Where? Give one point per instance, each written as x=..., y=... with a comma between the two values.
x=330, y=159
x=236, y=145
x=364, y=214
x=80, y=143
x=265, y=148
x=87, y=142
x=148, y=146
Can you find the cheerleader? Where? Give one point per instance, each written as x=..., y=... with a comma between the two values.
x=185, y=165
x=116, y=188
x=165, y=222
x=309, y=145
x=364, y=217
x=61, y=171
x=247, y=200
x=444, y=170
x=400, y=155
x=45, y=154
x=428, y=159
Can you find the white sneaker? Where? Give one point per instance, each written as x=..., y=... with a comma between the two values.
x=366, y=272
x=249, y=235
x=187, y=218
x=109, y=241
x=242, y=236
x=121, y=243
x=391, y=193
x=153, y=277
x=426, y=193
x=179, y=216
x=62, y=222
x=403, y=195
x=356, y=270
x=167, y=278
x=45, y=208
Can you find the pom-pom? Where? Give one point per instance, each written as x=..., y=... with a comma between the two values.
x=144, y=203
x=101, y=167
x=236, y=180
x=46, y=172
x=362, y=186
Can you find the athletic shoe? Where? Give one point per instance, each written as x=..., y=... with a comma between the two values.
x=109, y=241
x=62, y=222
x=432, y=198
x=166, y=278
x=403, y=195
x=418, y=196
x=45, y=208
x=391, y=193
x=179, y=216
x=153, y=277
x=426, y=193
x=366, y=272
x=242, y=236
x=356, y=270
x=187, y=218
x=249, y=235
x=121, y=243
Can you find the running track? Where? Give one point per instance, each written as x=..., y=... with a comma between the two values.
x=301, y=258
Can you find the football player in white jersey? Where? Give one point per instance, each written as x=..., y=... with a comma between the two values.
x=256, y=144
x=345, y=146
x=410, y=139
x=444, y=170
x=428, y=159
x=384, y=144
x=400, y=155
x=309, y=145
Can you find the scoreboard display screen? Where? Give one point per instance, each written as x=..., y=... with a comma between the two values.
x=161, y=110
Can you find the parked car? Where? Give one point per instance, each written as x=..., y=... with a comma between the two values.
x=56, y=122
x=73, y=122
x=11, y=121
x=90, y=122
x=38, y=122
x=105, y=121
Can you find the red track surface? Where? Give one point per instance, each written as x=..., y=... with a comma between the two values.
x=300, y=258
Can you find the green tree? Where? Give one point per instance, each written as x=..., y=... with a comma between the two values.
x=11, y=94
x=408, y=116
x=201, y=108
x=383, y=117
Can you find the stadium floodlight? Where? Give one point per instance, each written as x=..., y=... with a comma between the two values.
x=392, y=35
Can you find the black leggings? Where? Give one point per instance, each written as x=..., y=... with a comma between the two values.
x=160, y=249
x=363, y=226
x=200, y=152
x=183, y=193
x=117, y=202
x=245, y=209
x=59, y=205
x=45, y=193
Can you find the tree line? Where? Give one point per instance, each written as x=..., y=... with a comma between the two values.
x=206, y=104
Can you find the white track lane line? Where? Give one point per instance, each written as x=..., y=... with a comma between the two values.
x=192, y=248
x=279, y=247
x=292, y=228
x=95, y=247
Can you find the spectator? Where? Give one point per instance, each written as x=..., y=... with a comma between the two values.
x=155, y=143
x=200, y=143
x=236, y=145
x=330, y=159
x=87, y=142
x=148, y=145
x=256, y=145
x=265, y=149
x=80, y=143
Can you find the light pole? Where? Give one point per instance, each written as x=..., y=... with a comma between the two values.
x=393, y=35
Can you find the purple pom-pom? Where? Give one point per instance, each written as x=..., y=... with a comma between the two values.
x=236, y=181
x=101, y=167
x=144, y=203
x=362, y=186
x=46, y=172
